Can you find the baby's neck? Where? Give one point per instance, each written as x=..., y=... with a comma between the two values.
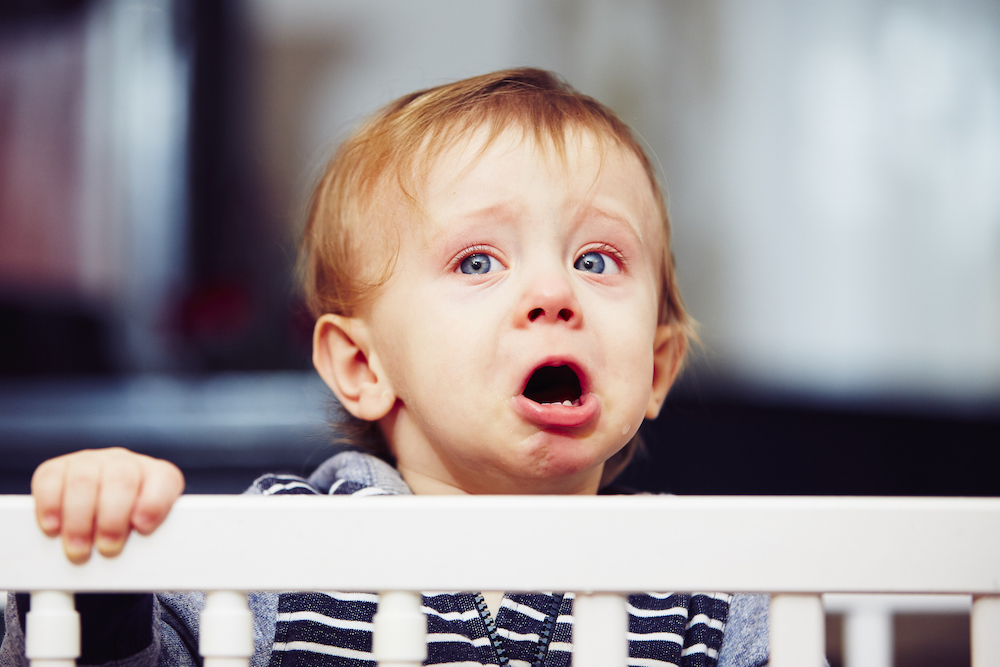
x=493, y=600
x=426, y=485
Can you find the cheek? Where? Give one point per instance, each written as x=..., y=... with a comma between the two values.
x=628, y=342
x=633, y=370
x=437, y=348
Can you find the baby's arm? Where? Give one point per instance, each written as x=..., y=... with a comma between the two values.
x=98, y=496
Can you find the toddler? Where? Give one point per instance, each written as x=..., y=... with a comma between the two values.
x=489, y=264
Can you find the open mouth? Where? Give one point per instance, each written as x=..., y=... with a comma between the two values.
x=554, y=384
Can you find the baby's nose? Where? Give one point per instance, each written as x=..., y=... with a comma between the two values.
x=564, y=314
x=549, y=298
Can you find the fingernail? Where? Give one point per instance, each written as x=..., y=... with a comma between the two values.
x=109, y=546
x=78, y=549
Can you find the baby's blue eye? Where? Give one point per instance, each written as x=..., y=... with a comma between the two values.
x=478, y=263
x=596, y=262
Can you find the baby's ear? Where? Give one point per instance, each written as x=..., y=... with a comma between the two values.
x=669, y=347
x=343, y=355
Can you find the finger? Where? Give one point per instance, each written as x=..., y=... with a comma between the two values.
x=162, y=484
x=78, y=506
x=47, y=489
x=119, y=488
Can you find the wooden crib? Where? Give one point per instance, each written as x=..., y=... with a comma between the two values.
x=794, y=548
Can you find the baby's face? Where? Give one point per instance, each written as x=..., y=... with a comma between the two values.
x=517, y=330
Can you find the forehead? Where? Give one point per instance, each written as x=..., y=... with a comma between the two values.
x=584, y=170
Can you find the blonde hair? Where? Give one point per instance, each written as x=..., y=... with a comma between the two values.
x=375, y=170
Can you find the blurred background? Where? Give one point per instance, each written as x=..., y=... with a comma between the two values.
x=833, y=173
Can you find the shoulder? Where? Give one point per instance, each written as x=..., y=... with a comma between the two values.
x=275, y=484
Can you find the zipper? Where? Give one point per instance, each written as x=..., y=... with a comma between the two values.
x=544, y=633
x=491, y=630
x=548, y=627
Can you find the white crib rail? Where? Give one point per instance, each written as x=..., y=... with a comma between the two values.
x=795, y=548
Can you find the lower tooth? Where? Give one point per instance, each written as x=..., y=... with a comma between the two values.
x=567, y=402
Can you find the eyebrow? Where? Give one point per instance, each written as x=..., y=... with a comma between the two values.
x=631, y=225
x=505, y=211
x=501, y=210
x=496, y=213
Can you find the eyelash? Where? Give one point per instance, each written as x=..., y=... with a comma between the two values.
x=473, y=250
x=607, y=250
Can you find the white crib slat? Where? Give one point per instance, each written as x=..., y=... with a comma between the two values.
x=986, y=631
x=226, y=636
x=797, y=632
x=399, y=632
x=600, y=630
x=52, y=630
x=868, y=636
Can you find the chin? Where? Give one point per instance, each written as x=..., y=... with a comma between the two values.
x=553, y=458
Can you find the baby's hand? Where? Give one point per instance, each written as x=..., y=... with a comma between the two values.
x=100, y=495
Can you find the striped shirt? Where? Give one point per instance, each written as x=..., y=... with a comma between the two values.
x=323, y=629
